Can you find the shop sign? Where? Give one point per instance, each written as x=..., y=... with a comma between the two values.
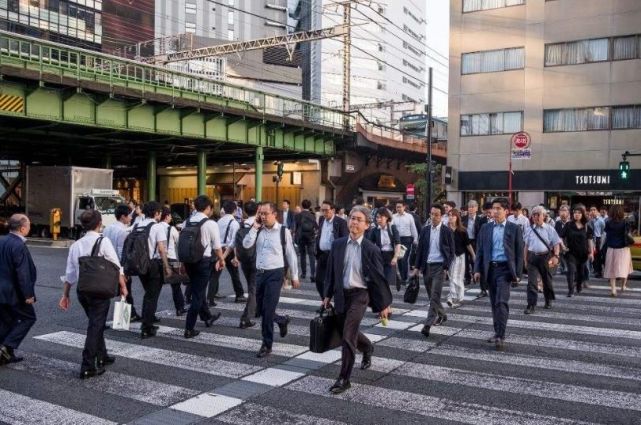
x=592, y=180
x=521, y=153
x=611, y=201
x=349, y=168
x=386, y=182
x=409, y=191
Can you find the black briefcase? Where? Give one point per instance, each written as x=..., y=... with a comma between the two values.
x=97, y=277
x=411, y=292
x=323, y=332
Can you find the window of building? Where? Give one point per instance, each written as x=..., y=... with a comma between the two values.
x=476, y=5
x=230, y=18
x=381, y=85
x=576, y=119
x=493, y=60
x=190, y=8
x=190, y=27
x=491, y=123
x=576, y=52
x=624, y=117
x=230, y=34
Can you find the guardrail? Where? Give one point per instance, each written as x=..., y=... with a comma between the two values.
x=396, y=138
x=69, y=61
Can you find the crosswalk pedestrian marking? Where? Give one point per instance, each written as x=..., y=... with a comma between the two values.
x=207, y=405
x=257, y=414
x=273, y=377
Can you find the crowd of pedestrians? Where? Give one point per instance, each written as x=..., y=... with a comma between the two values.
x=353, y=257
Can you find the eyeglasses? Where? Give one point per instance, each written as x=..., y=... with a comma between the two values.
x=265, y=212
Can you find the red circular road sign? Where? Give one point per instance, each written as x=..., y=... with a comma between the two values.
x=410, y=189
x=521, y=140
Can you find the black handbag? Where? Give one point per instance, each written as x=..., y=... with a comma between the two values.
x=411, y=292
x=323, y=331
x=97, y=277
x=179, y=276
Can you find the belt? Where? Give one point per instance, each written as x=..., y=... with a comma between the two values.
x=498, y=263
x=352, y=290
x=538, y=253
x=261, y=271
x=436, y=263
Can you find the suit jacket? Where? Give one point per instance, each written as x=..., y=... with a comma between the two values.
x=339, y=228
x=374, y=235
x=446, y=246
x=291, y=219
x=380, y=296
x=512, y=244
x=478, y=222
x=17, y=271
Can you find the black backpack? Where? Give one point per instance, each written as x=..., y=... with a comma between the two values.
x=245, y=255
x=190, y=245
x=135, y=251
x=307, y=225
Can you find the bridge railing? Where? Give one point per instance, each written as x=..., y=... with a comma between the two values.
x=69, y=61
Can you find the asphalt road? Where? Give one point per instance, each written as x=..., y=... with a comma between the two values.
x=577, y=363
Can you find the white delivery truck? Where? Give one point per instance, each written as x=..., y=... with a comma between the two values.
x=73, y=190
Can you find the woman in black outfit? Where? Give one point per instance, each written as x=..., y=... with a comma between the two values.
x=578, y=239
x=385, y=235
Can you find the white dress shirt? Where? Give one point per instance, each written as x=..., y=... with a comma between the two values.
x=158, y=233
x=172, y=242
x=386, y=242
x=327, y=235
x=435, y=256
x=353, y=268
x=209, y=233
x=269, y=250
x=117, y=233
x=405, y=225
x=82, y=247
x=228, y=221
x=471, y=222
x=521, y=221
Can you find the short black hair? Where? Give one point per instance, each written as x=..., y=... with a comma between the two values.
x=412, y=207
x=151, y=208
x=400, y=202
x=272, y=206
x=307, y=204
x=488, y=205
x=330, y=203
x=121, y=209
x=250, y=208
x=229, y=207
x=502, y=202
x=357, y=201
x=379, y=203
x=202, y=202
x=384, y=212
x=90, y=219
x=164, y=213
x=517, y=206
x=450, y=203
x=439, y=207
x=287, y=200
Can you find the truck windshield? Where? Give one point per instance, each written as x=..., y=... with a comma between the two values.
x=107, y=205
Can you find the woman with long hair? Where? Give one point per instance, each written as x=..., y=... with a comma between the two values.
x=618, y=260
x=462, y=243
x=386, y=237
x=578, y=240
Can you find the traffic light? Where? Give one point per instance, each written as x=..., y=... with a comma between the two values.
x=279, y=169
x=624, y=170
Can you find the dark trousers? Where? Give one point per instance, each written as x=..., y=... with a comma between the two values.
x=537, y=265
x=403, y=263
x=499, y=283
x=199, y=274
x=177, y=296
x=130, y=296
x=599, y=258
x=388, y=269
x=575, y=272
x=321, y=269
x=214, y=280
x=152, y=283
x=306, y=248
x=433, y=279
x=268, y=285
x=356, y=301
x=249, y=271
x=469, y=264
x=15, y=323
x=95, y=349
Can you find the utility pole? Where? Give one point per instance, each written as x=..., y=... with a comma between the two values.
x=347, y=42
x=428, y=136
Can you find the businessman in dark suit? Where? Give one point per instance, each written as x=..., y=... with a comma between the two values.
x=355, y=280
x=287, y=217
x=330, y=228
x=499, y=258
x=486, y=217
x=17, y=288
x=471, y=222
x=434, y=255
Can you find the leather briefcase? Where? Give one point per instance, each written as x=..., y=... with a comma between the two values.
x=411, y=292
x=97, y=277
x=323, y=332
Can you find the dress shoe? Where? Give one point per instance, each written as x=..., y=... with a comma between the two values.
x=283, y=327
x=264, y=351
x=440, y=320
x=148, y=332
x=106, y=361
x=244, y=324
x=180, y=312
x=398, y=285
x=240, y=299
x=90, y=373
x=529, y=310
x=548, y=305
x=312, y=279
x=191, y=333
x=366, y=363
x=483, y=293
x=156, y=319
x=211, y=303
x=492, y=340
x=5, y=354
x=219, y=297
x=340, y=386
x=426, y=331
x=570, y=294
x=449, y=303
x=500, y=344
x=135, y=318
x=303, y=276
x=212, y=319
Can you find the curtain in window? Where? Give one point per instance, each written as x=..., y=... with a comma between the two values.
x=598, y=118
x=466, y=125
x=472, y=5
x=493, y=61
x=512, y=122
x=624, y=48
x=514, y=58
x=551, y=121
x=554, y=54
x=565, y=120
x=514, y=2
x=626, y=117
x=471, y=63
x=493, y=4
x=597, y=50
x=575, y=52
x=484, y=124
x=496, y=123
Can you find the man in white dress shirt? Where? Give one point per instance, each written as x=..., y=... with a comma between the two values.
x=406, y=226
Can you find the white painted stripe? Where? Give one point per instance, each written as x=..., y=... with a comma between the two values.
x=159, y=356
x=119, y=384
x=440, y=330
x=428, y=406
x=573, y=366
x=551, y=390
x=585, y=296
x=408, y=344
x=374, y=337
x=607, y=288
x=396, y=325
x=326, y=357
x=257, y=414
x=273, y=377
x=19, y=409
x=207, y=405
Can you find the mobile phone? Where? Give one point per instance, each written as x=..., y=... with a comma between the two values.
x=259, y=220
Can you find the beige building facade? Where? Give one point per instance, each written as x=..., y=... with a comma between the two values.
x=567, y=72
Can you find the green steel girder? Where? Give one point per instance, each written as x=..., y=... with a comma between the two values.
x=84, y=108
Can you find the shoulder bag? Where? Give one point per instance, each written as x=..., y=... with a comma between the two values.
x=97, y=277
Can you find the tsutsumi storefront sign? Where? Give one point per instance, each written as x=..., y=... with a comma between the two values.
x=593, y=179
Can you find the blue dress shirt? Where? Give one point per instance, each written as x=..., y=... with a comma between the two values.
x=498, y=250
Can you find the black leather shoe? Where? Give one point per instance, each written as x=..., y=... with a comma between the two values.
x=156, y=319
x=340, y=386
x=148, y=333
x=264, y=351
x=219, y=297
x=191, y=333
x=212, y=303
x=90, y=373
x=241, y=299
x=500, y=344
x=440, y=320
x=5, y=355
x=312, y=279
x=548, y=305
x=135, y=318
x=493, y=339
x=529, y=310
x=106, y=361
x=483, y=294
x=283, y=327
x=366, y=363
x=244, y=324
x=426, y=331
x=180, y=312
x=212, y=319
x=570, y=294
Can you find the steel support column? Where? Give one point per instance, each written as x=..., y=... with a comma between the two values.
x=151, y=176
x=202, y=173
x=107, y=163
x=259, y=174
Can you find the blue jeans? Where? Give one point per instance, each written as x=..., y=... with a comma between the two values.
x=499, y=284
x=268, y=285
x=199, y=277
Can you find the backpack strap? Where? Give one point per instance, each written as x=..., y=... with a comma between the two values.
x=227, y=231
x=96, y=247
x=283, y=243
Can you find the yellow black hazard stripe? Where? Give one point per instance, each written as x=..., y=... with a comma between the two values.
x=11, y=103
